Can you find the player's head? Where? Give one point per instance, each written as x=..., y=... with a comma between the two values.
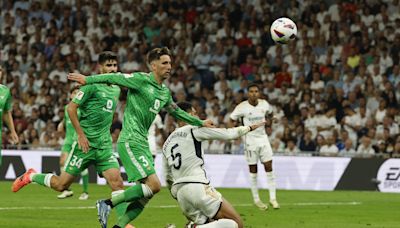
x=253, y=92
x=108, y=62
x=159, y=60
x=73, y=91
x=187, y=107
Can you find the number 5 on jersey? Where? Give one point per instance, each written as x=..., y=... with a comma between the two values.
x=175, y=156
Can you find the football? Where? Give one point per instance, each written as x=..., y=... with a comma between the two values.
x=283, y=30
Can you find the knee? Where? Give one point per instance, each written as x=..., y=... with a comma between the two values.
x=155, y=186
x=116, y=183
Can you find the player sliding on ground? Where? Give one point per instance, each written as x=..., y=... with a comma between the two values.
x=147, y=95
x=201, y=203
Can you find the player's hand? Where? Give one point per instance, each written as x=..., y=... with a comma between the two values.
x=14, y=139
x=208, y=123
x=257, y=125
x=83, y=143
x=80, y=78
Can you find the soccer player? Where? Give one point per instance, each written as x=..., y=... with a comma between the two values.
x=146, y=96
x=184, y=153
x=156, y=126
x=93, y=144
x=5, y=112
x=70, y=134
x=257, y=146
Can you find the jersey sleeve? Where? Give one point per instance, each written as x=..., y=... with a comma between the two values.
x=84, y=93
x=237, y=113
x=7, y=105
x=206, y=133
x=132, y=81
x=178, y=113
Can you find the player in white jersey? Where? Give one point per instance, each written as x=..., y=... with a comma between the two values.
x=200, y=202
x=256, y=143
x=152, y=137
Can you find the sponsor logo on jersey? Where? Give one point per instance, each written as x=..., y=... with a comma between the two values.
x=389, y=176
x=1, y=97
x=79, y=95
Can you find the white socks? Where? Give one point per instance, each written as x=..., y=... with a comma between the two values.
x=253, y=186
x=147, y=192
x=271, y=185
x=220, y=223
x=47, y=179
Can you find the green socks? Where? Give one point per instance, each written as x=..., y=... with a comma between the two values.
x=42, y=179
x=85, y=180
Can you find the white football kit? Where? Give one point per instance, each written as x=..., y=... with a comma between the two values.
x=152, y=138
x=183, y=151
x=256, y=143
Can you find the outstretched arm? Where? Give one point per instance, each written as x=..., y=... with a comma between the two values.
x=224, y=133
x=178, y=113
x=126, y=80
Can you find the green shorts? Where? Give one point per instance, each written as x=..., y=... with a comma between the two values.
x=67, y=147
x=137, y=160
x=77, y=161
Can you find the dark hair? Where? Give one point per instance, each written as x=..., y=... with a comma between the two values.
x=185, y=106
x=107, y=55
x=156, y=53
x=253, y=85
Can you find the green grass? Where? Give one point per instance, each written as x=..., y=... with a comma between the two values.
x=36, y=206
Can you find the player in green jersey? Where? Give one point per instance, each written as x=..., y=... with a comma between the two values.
x=147, y=95
x=93, y=143
x=70, y=134
x=5, y=112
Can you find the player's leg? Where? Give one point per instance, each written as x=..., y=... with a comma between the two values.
x=201, y=203
x=64, y=154
x=266, y=158
x=75, y=163
x=58, y=183
x=252, y=157
x=138, y=166
x=85, y=185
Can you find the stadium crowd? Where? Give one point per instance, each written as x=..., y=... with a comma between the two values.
x=335, y=90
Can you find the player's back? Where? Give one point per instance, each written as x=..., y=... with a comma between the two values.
x=184, y=155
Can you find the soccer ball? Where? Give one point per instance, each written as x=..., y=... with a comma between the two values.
x=283, y=30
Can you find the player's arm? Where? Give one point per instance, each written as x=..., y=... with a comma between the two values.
x=8, y=119
x=131, y=81
x=60, y=126
x=224, y=133
x=236, y=115
x=179, y=114
x=80, y=98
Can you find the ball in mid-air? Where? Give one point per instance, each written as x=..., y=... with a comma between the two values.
x=283, y=30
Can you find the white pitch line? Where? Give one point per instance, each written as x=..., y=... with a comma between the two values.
x=175, y=206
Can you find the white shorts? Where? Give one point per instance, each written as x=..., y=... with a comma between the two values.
x=255, y=153
x=199, y=202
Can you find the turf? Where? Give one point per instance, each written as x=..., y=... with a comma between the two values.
x=36, y=206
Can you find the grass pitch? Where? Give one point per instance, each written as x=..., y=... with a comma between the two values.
x=36, y=206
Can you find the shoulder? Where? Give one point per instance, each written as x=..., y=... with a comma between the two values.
x=242, y=104
x=4, y=88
